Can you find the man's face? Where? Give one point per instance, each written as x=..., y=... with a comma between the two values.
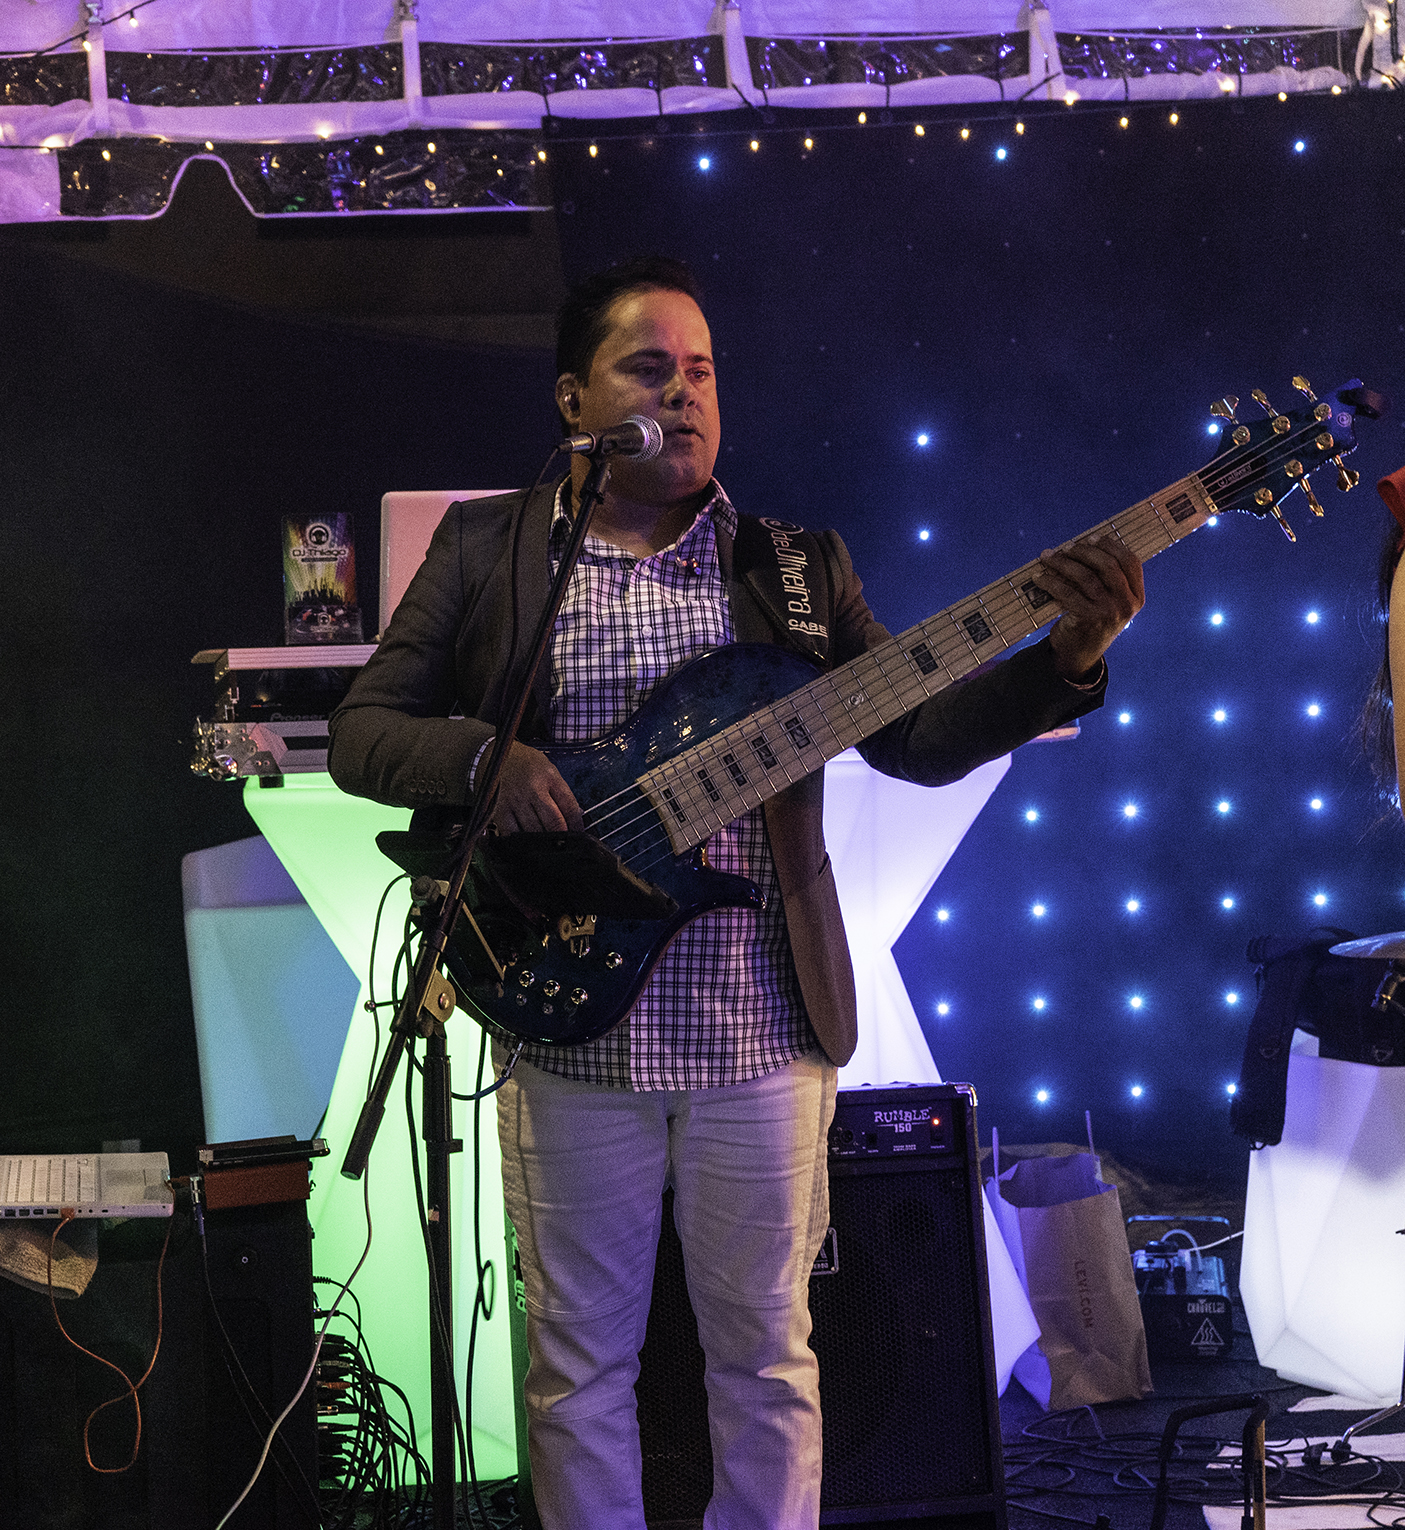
x=656, y=360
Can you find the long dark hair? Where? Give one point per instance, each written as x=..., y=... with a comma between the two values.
x=1376, y=726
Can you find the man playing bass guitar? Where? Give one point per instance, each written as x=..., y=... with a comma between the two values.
x=720, y=1080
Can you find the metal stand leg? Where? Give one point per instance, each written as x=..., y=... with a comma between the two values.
x=439, y=1144
x=1341, y=1451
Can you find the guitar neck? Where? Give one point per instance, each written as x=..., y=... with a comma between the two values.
x=699, y=790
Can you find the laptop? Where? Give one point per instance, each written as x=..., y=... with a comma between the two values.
x=88, y=1184
x=408, y=521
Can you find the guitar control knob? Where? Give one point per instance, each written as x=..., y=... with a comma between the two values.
x=613, y=959
x=579, y=996
x=551, y=988
x=526, y=979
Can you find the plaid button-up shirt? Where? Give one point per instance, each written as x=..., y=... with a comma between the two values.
x=724, y=1003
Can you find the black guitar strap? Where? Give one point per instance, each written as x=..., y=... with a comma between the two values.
x=785, y=568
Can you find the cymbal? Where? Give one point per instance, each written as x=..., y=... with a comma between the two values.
x=1389, y=946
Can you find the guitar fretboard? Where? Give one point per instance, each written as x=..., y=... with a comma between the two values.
x=700, y=789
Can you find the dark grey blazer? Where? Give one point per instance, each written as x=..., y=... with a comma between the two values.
x=462, y=629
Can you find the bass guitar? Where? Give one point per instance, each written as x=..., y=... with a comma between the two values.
x=559, y=932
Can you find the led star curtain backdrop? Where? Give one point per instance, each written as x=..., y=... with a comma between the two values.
x=956, y=349
x=959, y=347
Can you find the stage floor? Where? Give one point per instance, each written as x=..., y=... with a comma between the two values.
x=1071, y=1467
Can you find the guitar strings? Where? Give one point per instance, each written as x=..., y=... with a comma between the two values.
x=906, y=693
x=1141, y=528
x=997, y=601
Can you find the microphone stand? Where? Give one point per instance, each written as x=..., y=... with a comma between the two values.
x=429, y=1001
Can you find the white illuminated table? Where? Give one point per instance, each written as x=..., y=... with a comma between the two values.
x=1323, y=1273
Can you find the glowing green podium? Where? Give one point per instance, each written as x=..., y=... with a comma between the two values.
x=327, y=842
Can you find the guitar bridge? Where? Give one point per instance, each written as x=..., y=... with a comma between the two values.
x=575, y=931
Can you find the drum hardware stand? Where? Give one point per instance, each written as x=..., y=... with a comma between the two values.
x=429, y=1001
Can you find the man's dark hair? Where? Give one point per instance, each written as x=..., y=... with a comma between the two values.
x=581, y=323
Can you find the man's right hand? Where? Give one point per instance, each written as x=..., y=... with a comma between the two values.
x=533, y=795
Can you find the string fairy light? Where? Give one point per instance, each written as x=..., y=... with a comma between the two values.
x=130, y=14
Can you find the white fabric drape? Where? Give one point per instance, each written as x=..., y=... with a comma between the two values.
x=356, y=23
x=27, y=190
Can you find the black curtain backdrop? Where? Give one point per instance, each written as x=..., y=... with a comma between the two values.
x=1057, y=322
x=152, y=441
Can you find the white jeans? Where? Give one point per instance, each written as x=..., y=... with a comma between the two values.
x=584, y=1170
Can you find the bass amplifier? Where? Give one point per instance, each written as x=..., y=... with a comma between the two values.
x=902, y=1331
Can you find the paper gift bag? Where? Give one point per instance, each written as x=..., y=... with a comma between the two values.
x=1063, y=1226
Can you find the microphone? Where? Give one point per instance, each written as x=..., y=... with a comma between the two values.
x=637, y=436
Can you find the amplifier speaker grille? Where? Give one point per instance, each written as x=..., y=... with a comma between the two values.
x=898, y=1335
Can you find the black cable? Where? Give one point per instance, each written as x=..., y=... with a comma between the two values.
x=372, y=1007
x=507, y=1071
x=368, y=1476
x=105, y=21
x=1068, y=1519
x=1119, y=1461
x=311, y=1372
x=480, y=1269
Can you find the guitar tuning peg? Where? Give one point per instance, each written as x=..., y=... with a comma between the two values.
x=1298, y=473
x=1347, y=478
x=1261, y=399
x=1305, y=387
x=1264, y=497
x=1223, y=408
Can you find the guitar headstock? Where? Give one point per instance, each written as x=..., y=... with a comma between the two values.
x=1264, y=461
